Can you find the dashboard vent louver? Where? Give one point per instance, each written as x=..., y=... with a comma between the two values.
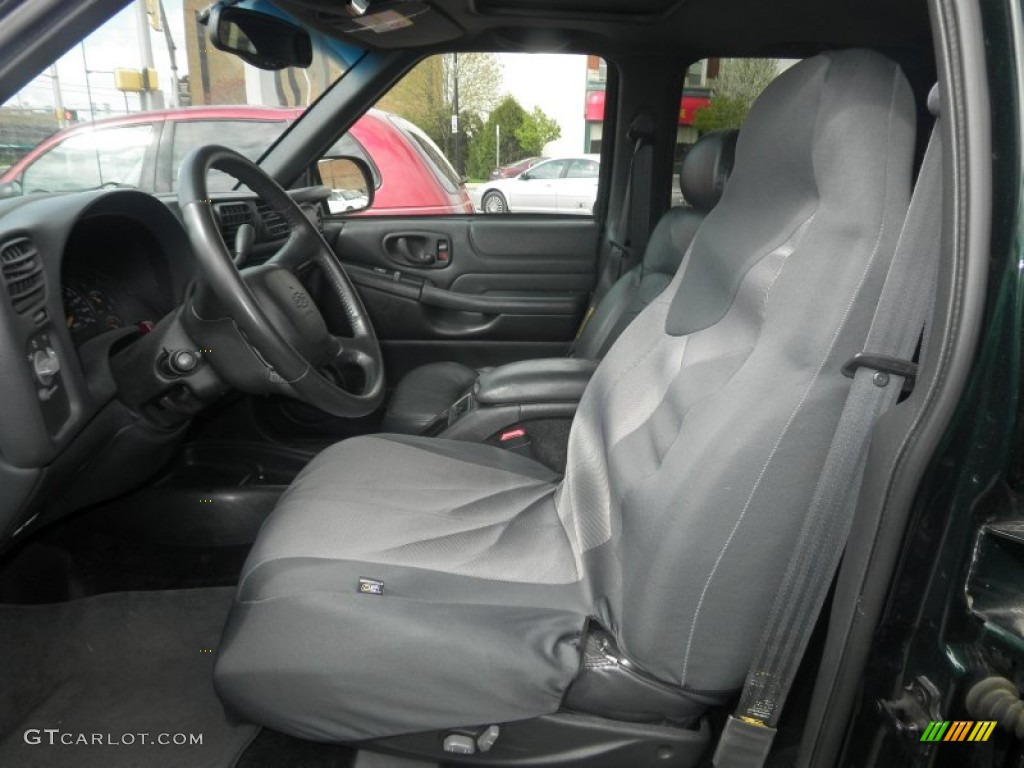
x=231, y=217
x=22, y=273
x=273, y=222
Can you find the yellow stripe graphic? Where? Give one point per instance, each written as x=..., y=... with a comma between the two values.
x=988, y=731
x=979, y=728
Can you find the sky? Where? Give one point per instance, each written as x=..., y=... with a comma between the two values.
x=557, y=84
x=115, y=44
x=553, y=82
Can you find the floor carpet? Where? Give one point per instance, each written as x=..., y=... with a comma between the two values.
x=114, y=675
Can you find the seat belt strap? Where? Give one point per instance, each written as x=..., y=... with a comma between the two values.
x=629, y=238
x=878, y=374
x=630, y=235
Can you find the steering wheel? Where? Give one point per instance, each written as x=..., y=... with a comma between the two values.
x=277, y=339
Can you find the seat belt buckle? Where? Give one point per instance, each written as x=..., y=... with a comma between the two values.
x=884, y=366
x=745, y=743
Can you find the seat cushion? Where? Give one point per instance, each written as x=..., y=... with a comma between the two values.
x=482, y=605
x=423, y=393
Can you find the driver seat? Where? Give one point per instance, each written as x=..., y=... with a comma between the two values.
x=407, y=584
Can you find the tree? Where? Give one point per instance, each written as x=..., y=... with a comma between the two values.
x=523, y=134
x=536, y=131
x=505, y=119
x=426, y=96
x=739, y=83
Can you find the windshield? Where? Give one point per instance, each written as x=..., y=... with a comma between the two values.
x=127, y=103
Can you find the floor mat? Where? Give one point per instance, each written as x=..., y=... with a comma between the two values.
x=104, y=680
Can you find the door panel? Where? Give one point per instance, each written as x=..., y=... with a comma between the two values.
x=534, y=196
x=481, y=290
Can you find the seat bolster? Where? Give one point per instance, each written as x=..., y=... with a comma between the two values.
x=338, y=666
x=425, y=392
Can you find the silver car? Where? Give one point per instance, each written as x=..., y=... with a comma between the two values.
x=559, y=185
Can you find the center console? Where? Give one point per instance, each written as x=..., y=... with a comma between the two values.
x=526, y=407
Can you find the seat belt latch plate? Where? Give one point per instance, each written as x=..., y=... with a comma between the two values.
x=744, y=744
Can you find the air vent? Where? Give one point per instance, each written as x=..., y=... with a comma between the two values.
x=273, y=222
x=231, y=217
x=22, y=274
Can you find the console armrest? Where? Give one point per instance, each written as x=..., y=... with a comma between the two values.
x=555, y=380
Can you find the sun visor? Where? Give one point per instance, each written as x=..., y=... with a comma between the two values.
x=396, y=24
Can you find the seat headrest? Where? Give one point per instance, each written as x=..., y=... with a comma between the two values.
x=706, y=168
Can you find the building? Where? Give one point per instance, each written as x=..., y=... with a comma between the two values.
x=696, y=94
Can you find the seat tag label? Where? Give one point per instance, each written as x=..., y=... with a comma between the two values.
x=371, y=587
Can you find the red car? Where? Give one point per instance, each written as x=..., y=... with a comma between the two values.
x=144, y=150
x=514, y=169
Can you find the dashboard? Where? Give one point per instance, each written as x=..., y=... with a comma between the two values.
x=92, y=286
x=112, y=283
x=89, y=308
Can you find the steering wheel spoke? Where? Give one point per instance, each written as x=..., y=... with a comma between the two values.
x=298, y=250
x=354, y=350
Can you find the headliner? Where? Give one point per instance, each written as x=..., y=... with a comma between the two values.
x=614, y=28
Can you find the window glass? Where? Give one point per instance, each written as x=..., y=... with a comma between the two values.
x=459, y=128
x=550, y=170
x=443, y=170
x=717, y=94
x=248, y=137
x=583, y=169
x=151, y=57
x=113, y=157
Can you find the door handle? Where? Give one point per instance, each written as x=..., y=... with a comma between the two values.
x=418, y=249
x=414, y=254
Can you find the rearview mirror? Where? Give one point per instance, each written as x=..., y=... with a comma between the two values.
x=265, y=41
x=350, y=181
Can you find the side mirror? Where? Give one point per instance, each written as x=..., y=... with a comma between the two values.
x=10, y=189
x=350, y=181
x=265, y=41
x=525, y=176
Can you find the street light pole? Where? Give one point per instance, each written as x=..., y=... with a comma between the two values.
x=455, y=120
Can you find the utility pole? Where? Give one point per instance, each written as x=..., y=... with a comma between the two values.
x=58, y=100
x=171, y=51
x=455, y=119
x=88, y=87
x=145, y=49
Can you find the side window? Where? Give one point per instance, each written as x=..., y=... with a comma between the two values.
x=110, y=156
x=717, y=94
x=583, y=169
x=455, y=135
x=248, y=137
x=552, y=169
